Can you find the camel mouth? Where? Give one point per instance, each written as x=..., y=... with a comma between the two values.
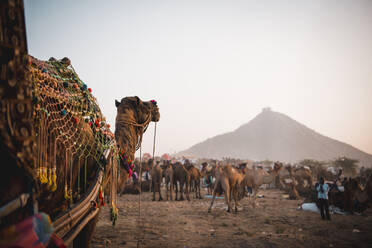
x=155, y=114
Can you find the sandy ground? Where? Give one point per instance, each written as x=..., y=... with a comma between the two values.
x=275, y=222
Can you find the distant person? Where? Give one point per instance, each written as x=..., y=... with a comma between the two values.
x=322, y=189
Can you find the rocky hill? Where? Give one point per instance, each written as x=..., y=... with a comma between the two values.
x=275, y=136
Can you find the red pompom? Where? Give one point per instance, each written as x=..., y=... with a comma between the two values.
x=90, y=90
x=97, y=123
x=76, y=120
x=90, y=123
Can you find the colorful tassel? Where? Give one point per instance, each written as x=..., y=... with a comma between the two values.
x=54, y=179
x=76, y=120
x=44, y=175
x=66, y=192
x=102, y=196
x=50, y=177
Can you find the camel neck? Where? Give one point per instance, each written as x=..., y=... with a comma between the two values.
x=269, y=178
x=127, y=138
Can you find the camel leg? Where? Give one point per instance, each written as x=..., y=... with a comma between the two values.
x=187, y=189
x=171, y=191
x=226, y=188
x=176, y=186
x=160, y=198
x=166, y=189
x=181, y=191
x=235, y=193
x=154, y=189
x=255, y=189
x=214, y=196
x=196, y=190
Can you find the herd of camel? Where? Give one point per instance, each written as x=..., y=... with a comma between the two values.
x=236, y=180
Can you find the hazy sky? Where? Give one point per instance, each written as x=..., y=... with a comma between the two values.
x=213, y=65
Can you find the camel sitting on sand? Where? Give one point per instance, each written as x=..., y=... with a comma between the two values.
x=230, y=180
x=356, y=198
x=301, y=174
x=284, y=178
x=254, y=178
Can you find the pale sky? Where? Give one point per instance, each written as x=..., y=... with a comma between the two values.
x=213, y=65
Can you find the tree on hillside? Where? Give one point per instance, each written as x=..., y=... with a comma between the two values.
x=349, y=166
x=266, y=162
x=312, y=163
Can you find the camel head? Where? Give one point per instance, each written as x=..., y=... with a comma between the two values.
x=166, y=164
x=277, y=168
x=140, y=110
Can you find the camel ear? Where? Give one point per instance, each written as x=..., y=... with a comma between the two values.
x=137, y=100
x=117, y=103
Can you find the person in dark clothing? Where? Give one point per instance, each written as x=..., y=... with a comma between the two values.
x=322, y=189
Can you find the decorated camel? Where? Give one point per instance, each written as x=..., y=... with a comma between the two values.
x=71, y=150
x=132, y=119
x=58, y=151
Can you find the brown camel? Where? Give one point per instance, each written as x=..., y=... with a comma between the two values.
x=283, y=176
x=230, y=180
x=68, y=146
x=195, y=180
x=156, y=179
x=168, y=174
x=254, y=178
x=301, y=175
x=133, y=117
x=355, y=198
x=182, y=177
